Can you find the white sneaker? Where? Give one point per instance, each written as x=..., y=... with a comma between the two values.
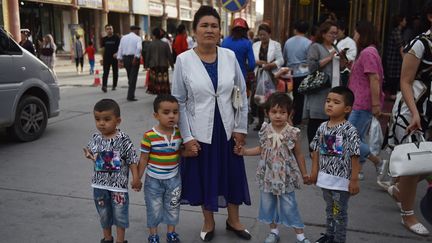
x=272, y=238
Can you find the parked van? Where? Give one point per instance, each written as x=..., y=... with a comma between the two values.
x=29, y=92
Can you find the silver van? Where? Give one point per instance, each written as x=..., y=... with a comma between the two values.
x=29, y=93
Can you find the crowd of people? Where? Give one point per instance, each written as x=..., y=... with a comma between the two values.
x=194, y=154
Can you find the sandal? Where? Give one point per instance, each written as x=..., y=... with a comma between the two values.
x=391, y=191
x=417, y=228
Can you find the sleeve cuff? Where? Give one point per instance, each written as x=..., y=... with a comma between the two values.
x=187, y=139
x=238, y=130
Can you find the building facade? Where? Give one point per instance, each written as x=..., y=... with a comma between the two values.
x=64, y=19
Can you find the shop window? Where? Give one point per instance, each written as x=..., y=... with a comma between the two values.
x=7, y=46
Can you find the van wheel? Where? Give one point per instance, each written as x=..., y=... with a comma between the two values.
x=31, y=119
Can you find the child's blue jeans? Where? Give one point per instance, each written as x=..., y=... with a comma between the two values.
x=113, y=207
x=92, y=64
x=336, y=211
x=162, y=198
x=280, y=209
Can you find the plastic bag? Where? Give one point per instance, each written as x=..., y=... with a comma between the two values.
x=265, y=87
x=376, y=137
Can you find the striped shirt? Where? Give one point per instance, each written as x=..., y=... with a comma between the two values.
x=163, y=153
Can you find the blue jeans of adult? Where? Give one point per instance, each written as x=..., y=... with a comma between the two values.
x=336, y=213
x=361, y=119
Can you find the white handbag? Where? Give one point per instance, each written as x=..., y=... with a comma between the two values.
x=412, y=158
x=237, y=103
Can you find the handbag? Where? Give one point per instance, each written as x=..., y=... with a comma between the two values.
x=412, y=158
x=265, y=87
x=237, y=102
x=314, y=82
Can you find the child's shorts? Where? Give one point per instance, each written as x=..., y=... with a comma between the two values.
x=280, y=209
x=113, y=207
x=162, y=198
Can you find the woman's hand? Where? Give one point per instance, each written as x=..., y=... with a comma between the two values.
x=239, y=139
x=376, y=110
x=260, y=63
x=192, y=147
x=415, y=123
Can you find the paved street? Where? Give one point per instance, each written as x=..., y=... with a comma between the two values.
x=45, y=193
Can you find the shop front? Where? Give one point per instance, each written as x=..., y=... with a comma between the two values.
x=156, y=12
x=43, y=18
x=89, y=17
x=119, y=16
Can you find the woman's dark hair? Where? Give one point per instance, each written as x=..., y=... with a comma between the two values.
x=367, y=33
x=158, y=33
x=239, y=33
x=264, y=27
x=181, y=29
x=205, y=10
x=397, y=19
x=323, y=29
x=279, y=99
x=343, y=26
x=427, y=9
x=301, y=26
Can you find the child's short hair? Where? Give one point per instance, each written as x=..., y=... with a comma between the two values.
x=346, y=93
x=107, y=105
x=279, y=99
x=161, y=98
x=90, y=43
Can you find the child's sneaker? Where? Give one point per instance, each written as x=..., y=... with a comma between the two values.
x=305, y=240
x=153, y=239
x=272, y=238
x=325, y=239
x=173, y=237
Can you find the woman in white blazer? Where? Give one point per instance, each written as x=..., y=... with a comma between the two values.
x=268, y=56
x=203, y=82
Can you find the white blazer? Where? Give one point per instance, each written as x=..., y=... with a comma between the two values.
x=274, y=53
x=194, y=90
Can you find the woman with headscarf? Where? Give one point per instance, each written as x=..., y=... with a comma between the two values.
x=158, y=60
x=47, y=51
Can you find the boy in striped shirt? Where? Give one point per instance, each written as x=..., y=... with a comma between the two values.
x=160, y=154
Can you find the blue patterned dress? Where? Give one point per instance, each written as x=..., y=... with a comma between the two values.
x=216, y=176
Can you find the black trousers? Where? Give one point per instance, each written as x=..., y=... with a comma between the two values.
x=298, y=101
x=132, y=74
x=107, y=64
x=80, y=61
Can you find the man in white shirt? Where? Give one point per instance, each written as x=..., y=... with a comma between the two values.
x=128, y=55
x=348, y=46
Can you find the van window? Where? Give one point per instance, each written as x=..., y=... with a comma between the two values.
x=7, y=46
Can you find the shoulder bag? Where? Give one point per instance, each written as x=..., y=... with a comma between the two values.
x=314, y=82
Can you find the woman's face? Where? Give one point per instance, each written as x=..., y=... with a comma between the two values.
x=330, y=36
x=264, y=36
x=207, y=31
x=356, y=36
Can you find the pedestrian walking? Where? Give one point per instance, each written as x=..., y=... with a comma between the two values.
x=295, y=55
x=110, y=44
x=129, y=54
x=159, y=163
x=26, y=42
x=268, y=58
x=90, y=51
x=412, y=111
x=112, y=154
x=335, y=162
x=322, y=56
x=180, y=43
x=158, y=60
x=366, y=81
x=208, y=73
x=79, y=54
x=348, y=46
x=47, y=51
x=281, y=169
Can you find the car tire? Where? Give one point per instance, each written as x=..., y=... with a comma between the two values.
x=31, y=119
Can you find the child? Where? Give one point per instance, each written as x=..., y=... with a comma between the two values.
x=335, y=162
x=113, y=154
x=90, y=51
x=280, y=169
x=160, y=153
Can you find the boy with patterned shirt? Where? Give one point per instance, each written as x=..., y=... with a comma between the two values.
x=335, y=162
x=160, y=153
x=113, y=154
